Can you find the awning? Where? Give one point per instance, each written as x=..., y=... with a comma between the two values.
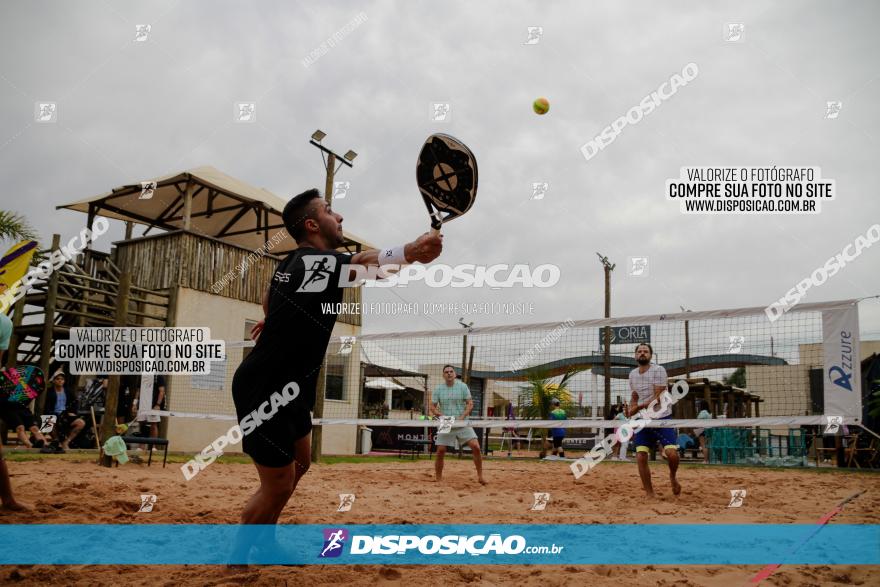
x=383, y=383
x=221, y=207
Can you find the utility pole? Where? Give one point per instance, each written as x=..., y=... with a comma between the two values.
x=687, y=347
x=321, y=389
x=464, y=367
x=608, y=267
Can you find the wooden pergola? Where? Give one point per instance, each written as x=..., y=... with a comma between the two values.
x=203, y=200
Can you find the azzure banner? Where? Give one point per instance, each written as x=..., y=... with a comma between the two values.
x=842, y=367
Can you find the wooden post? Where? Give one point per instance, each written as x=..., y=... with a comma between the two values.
x=108, y=422
x=331, y=172
x=171, y=309
x=90, y=223
x=15, y=341
x=321, y=388
x=48, y=327
x=187, y=205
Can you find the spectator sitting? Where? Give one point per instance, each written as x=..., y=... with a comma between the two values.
x=684, y=442
x=6, y=496
x=19, y=418
x=61, y=403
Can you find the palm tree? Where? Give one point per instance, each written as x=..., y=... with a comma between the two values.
x=534, y=398
x=15, y=227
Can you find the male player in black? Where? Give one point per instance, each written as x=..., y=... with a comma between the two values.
x=292, y=341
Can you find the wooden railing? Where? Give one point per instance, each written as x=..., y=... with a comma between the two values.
x=205, y=264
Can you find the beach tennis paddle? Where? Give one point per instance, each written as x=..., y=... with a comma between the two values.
x=21, y=384
x=446, y=173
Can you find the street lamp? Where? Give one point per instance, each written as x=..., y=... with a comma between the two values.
x=608, y=266
x=330, y=162
x=330, y=167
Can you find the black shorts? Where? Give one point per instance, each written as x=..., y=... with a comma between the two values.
x=557, y=441
x=15, y=415
x=271, y=443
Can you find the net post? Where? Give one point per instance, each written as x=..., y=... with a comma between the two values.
x=320, y=390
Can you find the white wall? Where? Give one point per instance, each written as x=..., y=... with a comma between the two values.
x=226, y=318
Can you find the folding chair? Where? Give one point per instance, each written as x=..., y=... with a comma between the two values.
x=852, y=452
x=821, y=450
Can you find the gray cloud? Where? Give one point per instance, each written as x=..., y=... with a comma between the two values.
x=129, y=111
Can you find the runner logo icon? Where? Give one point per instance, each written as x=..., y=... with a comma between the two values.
x=319, y=268
x=334, y=539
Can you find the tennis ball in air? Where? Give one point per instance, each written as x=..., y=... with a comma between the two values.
x=541, y=106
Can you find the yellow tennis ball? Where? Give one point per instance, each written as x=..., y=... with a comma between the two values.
x=541, y=106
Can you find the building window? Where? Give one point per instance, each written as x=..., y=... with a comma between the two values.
x=334, y=387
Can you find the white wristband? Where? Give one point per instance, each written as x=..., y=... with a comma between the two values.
x=392, y=256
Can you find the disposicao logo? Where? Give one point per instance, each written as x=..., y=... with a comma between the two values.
x=334, y=540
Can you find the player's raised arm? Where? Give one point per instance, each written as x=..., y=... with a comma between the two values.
x=424, y=249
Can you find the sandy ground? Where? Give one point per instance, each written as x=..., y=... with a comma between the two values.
x=404, y=492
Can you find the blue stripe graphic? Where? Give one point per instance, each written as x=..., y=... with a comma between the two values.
x=704, y=544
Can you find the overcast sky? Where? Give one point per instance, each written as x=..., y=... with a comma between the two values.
x=128, y=111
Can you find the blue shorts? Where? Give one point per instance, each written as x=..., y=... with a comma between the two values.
x=647, y=438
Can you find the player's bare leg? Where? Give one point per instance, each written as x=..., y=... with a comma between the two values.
x=6, y=496
x=478, y=459
x=645, y=472
x=438, y=464
x=276, y=487
x=672, y=457
x=23, y=437
x=75, y=429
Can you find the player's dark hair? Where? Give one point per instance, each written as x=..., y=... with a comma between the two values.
x=297, y=211
x=650, y=348
x=450, y=366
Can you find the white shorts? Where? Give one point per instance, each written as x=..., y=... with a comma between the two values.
x=152, y=418
x=463, y=434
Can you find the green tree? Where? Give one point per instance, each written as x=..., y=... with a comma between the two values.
x=737, y=378
x=534, y=398
x=15, y=227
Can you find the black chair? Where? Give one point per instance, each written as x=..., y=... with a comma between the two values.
x=163, y=442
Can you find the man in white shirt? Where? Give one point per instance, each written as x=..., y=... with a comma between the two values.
x=647, y=382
